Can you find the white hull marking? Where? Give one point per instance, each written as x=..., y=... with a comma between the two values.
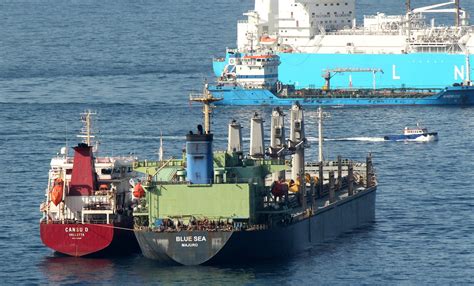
x=394, y=73
x=458, y=73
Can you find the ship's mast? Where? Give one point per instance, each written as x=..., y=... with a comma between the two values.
x=207, y=99
x=456, y=3
x=161, y=151
x=465, y=49
x=87, y=129
x=321, y=115
x=408, y=21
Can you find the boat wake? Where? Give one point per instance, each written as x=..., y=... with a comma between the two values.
x=363, y=139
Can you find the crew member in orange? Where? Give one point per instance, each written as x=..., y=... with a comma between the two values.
x=138, y=191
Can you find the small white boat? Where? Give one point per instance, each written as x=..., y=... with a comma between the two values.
x=414, y=134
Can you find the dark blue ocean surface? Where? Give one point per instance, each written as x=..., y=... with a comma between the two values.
x=135, y=62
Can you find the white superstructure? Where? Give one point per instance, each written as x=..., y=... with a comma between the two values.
x=255, y=70
x=113, y=190
x=329, y=26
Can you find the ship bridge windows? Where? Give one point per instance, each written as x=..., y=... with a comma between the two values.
x=107, y=171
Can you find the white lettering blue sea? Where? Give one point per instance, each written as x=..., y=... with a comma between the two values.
x=135, y=63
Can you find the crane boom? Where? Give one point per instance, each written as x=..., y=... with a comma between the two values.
x=329, y=73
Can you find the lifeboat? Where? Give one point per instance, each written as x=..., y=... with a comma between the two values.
x=57, y=191
x=266, y=40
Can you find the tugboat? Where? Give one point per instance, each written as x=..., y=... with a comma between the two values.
x=418, y=133
x=87, y=207
x=227, y=207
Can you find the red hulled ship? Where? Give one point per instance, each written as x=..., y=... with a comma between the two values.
x=88, y=206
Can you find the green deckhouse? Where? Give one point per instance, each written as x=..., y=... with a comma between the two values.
x=236, y=187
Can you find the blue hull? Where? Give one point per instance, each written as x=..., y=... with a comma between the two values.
x=234, y=95
x=420, y=70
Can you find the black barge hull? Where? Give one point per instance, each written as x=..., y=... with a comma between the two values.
x=199, y=247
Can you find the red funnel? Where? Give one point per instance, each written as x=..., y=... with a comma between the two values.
x=83, y=179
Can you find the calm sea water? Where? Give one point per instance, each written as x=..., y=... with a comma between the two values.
x=135, y=63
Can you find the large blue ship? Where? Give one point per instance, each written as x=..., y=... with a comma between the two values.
x=456, y=95
x=315, y=38
x=253, y=80
x=435, y=70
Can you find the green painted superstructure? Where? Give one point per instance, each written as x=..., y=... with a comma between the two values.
x=239, y=184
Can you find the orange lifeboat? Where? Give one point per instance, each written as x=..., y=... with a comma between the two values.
x=57, y=191
x=266, y=40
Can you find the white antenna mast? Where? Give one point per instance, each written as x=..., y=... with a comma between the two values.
x=465, y=49
x=160, y=151
x=321, y=115
x=87, y=128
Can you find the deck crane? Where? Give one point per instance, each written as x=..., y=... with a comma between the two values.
x=329, y=73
